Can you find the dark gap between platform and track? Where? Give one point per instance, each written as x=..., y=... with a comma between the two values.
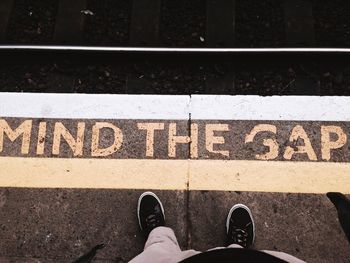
x=221, y=33
x=174, y=73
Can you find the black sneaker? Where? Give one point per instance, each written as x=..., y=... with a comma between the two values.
x=150, y=212
x=240, y=228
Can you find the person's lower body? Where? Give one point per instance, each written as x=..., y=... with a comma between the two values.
x=162, y=246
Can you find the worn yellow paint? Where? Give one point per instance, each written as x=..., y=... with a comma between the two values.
x=327, y=144
x=117, y=143
x=211, y=139
x=221, y=175
x=268, y=142
x=150, y=129
x=270, y=176
x=92, y=173
x=299, y=132
x=176, y=139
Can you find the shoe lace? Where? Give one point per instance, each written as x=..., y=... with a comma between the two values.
x=152, y=220
x=240, y=236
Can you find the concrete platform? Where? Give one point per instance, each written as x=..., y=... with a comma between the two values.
x=299, y=224
x=61, y=224
x=70, y=179
x=58, y=225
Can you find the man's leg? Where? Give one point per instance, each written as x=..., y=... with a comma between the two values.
x=240, y=229
x=161, y=245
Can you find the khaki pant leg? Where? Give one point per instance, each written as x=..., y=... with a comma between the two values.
x=161, y=246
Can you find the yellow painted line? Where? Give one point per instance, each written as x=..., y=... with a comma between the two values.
x=93, y=173
x=270, y=176
x=220, y=175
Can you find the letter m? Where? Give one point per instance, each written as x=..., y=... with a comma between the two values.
x=24, y=129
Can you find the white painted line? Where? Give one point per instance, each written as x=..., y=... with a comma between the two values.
x=174, y=50
x=94, y=106
x=299, y=108
x=168, y=107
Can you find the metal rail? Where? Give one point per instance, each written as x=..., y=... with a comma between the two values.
x=171, y=50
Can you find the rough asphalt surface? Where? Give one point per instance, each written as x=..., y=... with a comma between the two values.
x=52, y=225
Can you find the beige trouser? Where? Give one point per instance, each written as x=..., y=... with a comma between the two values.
x=161, y=246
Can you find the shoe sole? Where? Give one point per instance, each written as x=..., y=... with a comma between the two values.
x=233, y=208
x=139, y=203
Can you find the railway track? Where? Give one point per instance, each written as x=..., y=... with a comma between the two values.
x=158, y=71
x=213, y=47
x=164, y=23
